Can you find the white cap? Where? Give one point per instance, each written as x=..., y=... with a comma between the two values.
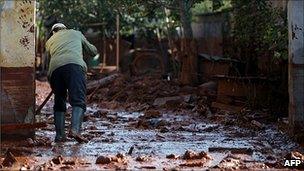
x=58, y=25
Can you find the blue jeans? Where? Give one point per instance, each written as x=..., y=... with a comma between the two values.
x=69, y=79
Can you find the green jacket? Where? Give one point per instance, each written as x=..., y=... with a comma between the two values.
x=66, y=47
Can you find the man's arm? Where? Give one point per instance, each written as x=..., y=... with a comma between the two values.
x=88, y=47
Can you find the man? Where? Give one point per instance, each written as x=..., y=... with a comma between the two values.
x=67, y=74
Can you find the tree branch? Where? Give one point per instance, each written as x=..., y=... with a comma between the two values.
x=161, y=3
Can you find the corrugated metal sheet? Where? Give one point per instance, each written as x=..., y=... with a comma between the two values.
x=17, y=58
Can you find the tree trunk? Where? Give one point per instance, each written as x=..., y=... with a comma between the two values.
x=185, y=17
x=189, y=51
x=189, y=62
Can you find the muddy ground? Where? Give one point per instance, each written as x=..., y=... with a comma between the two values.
x=128, y=128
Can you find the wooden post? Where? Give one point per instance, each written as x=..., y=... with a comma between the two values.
x=296, y=66
x=117, y=42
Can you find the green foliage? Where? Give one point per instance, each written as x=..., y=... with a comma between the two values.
x=260, y=40
x=203, y=7
x=259, y=29
x=135, y=15
x=75, y=13
x=143, y=16
x=208, y=6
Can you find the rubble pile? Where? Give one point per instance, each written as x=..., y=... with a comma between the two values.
x=136, y=89
x=152, y=92
x=149, y=92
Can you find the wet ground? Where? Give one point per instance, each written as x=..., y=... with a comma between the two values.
x=153, y=139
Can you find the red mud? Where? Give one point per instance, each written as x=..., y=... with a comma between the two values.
x=158, y=138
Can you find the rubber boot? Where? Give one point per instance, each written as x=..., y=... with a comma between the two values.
x=59, y=120
x=76, y=121
x=77, y=117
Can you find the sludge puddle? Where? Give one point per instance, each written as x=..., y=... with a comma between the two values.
x=154, y=138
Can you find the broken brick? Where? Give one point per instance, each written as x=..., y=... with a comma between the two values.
x=142, y=159
x=191, y=155
x=193, y=164
x=57, y=160
x=9, y=160
x=171, y=156
x=103, y=160
x=69, y=162
x=120, y=155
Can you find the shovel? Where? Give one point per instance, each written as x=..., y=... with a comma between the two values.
x=38, y=111
x=20, y=126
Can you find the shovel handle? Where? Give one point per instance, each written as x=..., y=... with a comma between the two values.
x=44, y=102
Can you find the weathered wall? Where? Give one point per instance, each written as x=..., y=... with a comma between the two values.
x=279, y=3
x=209, y=30
x=17, y=33
x=17, y=58
x=296, y=65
